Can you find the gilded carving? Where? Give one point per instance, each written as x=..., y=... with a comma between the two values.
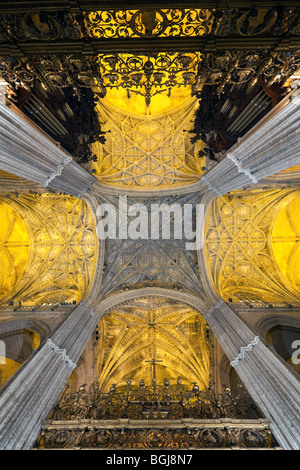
x=149, y=23
x=134, y=434
x=35, y=26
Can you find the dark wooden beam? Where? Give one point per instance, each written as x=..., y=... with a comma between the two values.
x=92, y=46
x=30, y=6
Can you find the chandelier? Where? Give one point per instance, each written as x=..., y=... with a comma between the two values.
x=148, y=75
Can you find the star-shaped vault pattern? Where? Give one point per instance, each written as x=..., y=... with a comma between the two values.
x=147, y=152
x=145, y=262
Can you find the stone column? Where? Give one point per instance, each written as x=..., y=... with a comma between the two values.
x=274, y=387
x=28, y=152
x=271, y=146
x=3, y=85
x=27, y=399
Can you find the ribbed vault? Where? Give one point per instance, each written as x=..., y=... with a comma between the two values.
x=251, y=247
x=49, y=249
x=170, y=333
x=147, y=151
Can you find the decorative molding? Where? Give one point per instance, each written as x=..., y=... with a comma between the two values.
x=95, y=315
x=57, y=172
x=79, y=196
x=157, y=434
x=62, y=352
x=117, y=298
x=244, y=349
x=259, y=25
x=246, y=171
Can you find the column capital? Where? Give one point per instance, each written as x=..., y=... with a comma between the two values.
x=28, y=152
x=243, y=350
x=62, y=353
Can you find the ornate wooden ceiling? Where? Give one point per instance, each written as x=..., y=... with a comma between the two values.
x=70, y=31
x=81, y=27
x=64, y=49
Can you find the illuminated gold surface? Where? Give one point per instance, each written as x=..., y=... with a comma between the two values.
x=147, y=152
x=8, y=368
x=152, y=328
x=4, y=174
x=286, y=241
x=293, y=168
x=151, y=23
x=147, y=85
x=244, y=262
x=61, y=260
x=36, y=340
x=14, y=248
x=135, y=104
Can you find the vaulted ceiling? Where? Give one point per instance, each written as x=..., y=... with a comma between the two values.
x=148, y=97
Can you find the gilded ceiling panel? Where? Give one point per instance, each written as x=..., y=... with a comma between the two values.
x=149, y=23
x=134, y=334
x=147, y=152
x=251, y=246
x=49, y=245
x=125, y=23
